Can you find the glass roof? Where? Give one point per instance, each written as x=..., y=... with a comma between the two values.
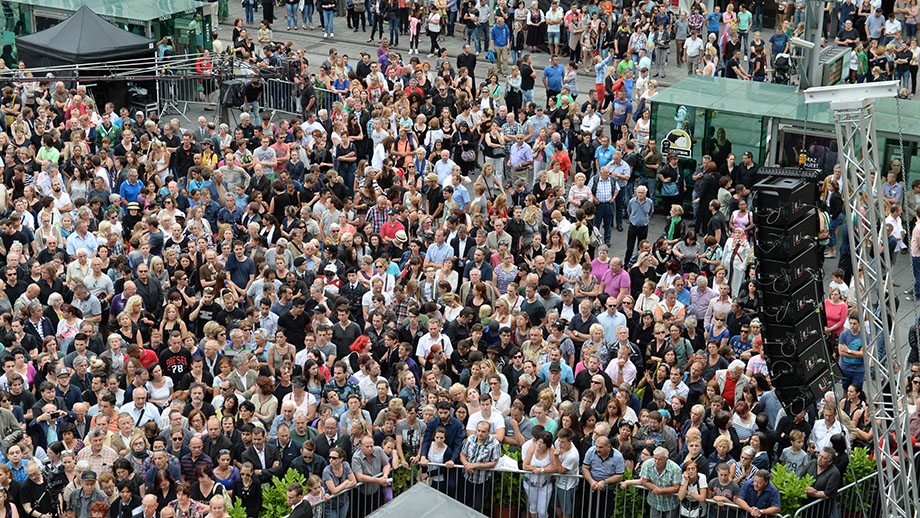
x=780, y=101
x=120, y=9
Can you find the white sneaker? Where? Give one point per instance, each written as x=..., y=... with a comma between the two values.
x=325, y=35
x=332, y=35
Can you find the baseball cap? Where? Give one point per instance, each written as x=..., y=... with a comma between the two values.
x=88, y=476
x=554, y=367
x=64, y=371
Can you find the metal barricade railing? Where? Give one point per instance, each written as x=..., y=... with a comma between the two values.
x=857, y=500
x=512, y=493
x=283, y=97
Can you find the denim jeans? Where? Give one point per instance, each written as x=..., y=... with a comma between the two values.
x=651, y=183
x=254, y=106
x=328, y=20
x=484, y=35
x=757, y=21
x=394, y=31
x=604, y=217
x=527, y=96
x=903, y=76
x=250, y=12
x=514, y=56
x=915, y=262
x=451, y=21
x=620, y=205
x=291, y=17
x=473, y=34
x=308, y=14
x=333, y=512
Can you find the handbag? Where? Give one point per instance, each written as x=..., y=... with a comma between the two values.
x=669, y=189
x=468, y=155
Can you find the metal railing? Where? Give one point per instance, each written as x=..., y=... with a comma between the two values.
x=513, y=493
x=283, y=96
x=858, y=499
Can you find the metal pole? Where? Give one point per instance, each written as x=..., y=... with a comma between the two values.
x=883, y=357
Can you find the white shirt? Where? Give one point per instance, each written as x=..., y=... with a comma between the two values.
x=570, y=462
x=693, y=46
x=309, y=399
x=495, y=421
x=590, y=123
x=821, y=434
x=261, y=454
x=425, y=343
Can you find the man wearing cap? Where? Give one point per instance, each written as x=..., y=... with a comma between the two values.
x=69, y=393
x=81, y=501
x=562, y=390
x=392, y=226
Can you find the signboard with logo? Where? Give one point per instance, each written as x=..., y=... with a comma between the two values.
x=679, y=142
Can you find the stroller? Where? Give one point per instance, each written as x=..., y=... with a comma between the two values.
x=782, y=68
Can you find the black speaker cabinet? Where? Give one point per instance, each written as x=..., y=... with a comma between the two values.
x=798, y=334
x=785, y=308
x=797, y=398
x=787, y=275
x=231, y=93
x=782, y=201
x=805, y=364
x=775, y=242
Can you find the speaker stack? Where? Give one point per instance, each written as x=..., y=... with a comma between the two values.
x=792, y=291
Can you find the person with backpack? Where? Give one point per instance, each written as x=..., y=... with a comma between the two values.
x=603, y=194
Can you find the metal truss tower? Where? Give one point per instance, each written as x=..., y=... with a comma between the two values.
x=884, y=357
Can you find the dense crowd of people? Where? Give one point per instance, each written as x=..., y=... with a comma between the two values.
x=422, y=277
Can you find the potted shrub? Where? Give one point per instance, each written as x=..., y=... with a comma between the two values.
x=791, y=488
x=861, y=465
x=508, y=489
x=629, y=500
x=274, y=495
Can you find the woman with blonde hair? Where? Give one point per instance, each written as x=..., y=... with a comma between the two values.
x=502, y=313
x=647, y=300
x=547, y=400
x=500, y=206
x=172, y=320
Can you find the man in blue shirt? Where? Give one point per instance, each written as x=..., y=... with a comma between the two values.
x=501, y=38
x=714, y=18
x=461, y=194
x=604, y=153
x=552, y=78
x=603, y=469
x=639, y=211
x=130, y=188
x=758, y=496
x=242, y=269
x=779, y=42
x=439, y=250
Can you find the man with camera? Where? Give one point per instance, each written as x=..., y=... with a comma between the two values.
x=36, y=499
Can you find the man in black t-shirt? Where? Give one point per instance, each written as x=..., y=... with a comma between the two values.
x=205, y=312
x=716, y=226
x=733, y=68
x=176, y=360
x=847, y=36
x=35, y=501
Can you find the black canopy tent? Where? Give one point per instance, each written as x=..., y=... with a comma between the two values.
x=82, y=38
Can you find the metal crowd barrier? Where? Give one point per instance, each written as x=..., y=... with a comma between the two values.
x=509, y=493
x=283, y=96
x=857, y=500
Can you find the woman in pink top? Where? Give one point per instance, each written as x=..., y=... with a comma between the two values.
x=836, y=309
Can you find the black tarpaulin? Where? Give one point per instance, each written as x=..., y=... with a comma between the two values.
x=82, y=38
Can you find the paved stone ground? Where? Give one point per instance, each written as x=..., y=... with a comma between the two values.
x=351, y=43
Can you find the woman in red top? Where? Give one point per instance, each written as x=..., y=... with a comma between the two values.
x=836, y=310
